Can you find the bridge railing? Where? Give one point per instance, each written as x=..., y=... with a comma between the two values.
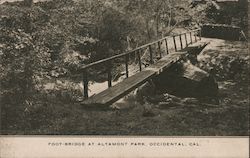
x=193, y=36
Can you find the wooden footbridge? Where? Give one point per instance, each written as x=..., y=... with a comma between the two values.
x=160, y=57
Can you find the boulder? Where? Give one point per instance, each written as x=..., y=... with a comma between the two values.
x=186, y=80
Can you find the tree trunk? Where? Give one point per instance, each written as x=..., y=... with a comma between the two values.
x=148, y=30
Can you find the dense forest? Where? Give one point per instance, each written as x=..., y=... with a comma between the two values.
x=43, y=41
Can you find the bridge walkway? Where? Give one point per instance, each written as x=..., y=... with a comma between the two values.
x=114, y=93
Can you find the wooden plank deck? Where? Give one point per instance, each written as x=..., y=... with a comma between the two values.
x=112, y=94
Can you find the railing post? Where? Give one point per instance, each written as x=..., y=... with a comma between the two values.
x=166, y=42
x=85, y=84
x=191, y=41
x=139, y=58
x=186, y=39
x=126, y=64
x=109, y=71
x=181, y=41
x=151, y=54
x=174, y=43
x=200, y=34
x=195, y=37
x=159, y=48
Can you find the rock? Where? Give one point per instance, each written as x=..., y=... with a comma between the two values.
x=164, y=105
x=172, y=98
x=148, y=110
x=186, y=80
x=190, y=101
x=145, y=91
x=148, y=113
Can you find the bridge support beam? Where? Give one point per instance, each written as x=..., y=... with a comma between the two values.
x=186, y=39
x=139, y=59
x=126, y=65
x=151, y=54
x=200, y=34
x=85, y=84
x=166, y=42
x=191, y=41
x=181, y=42
x=109, y=71
x=175, y=47
x=159, y=48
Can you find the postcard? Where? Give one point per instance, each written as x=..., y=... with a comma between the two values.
x=124, y=78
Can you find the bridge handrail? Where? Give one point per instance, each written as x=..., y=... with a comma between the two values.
x=132, y=51
x=84, y=68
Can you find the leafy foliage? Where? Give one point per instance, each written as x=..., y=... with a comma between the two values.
x=22, y=64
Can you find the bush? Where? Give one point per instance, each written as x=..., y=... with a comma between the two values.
x=22, y=65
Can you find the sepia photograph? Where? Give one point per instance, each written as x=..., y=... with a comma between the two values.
x=165, y=68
